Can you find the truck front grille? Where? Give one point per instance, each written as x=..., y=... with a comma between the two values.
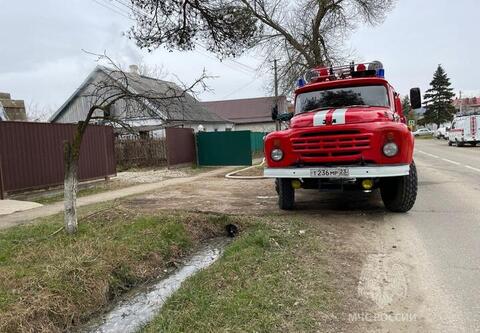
x=331, y=146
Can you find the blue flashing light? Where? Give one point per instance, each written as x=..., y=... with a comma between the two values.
x=381, y=73
x=301, y=82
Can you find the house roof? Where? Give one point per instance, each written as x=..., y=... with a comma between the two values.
x=185, y=108
x=468, y=101
x=245, y=111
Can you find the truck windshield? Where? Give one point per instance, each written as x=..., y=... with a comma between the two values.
x=342, y=97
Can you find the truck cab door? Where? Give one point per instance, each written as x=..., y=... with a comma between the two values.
x=398, y=108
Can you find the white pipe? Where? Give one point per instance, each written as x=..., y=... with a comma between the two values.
x=231, y=174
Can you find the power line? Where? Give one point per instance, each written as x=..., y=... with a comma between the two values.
x=117, y=7
x=240, y=89
x=110, y=8
x=130, y=7
x=239, y=69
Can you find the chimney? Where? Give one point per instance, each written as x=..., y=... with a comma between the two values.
x=133, y=69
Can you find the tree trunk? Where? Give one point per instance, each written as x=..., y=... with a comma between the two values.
x=70, y=188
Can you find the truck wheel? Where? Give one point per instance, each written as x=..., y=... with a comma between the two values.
x=286, y=194
x=399, y=193
x=450, y=143
x=277, y=189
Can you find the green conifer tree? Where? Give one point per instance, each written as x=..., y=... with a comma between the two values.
x=438, y=99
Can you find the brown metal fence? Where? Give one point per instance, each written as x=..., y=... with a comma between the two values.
x=181, y=147
x=31, y=154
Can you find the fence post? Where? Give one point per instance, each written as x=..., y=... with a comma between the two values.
x=165, y=144
x=2, y=189
x=104, y=130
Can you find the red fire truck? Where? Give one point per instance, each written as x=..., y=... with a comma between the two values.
x=348, y=132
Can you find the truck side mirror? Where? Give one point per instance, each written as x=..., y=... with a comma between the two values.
x=415, y=98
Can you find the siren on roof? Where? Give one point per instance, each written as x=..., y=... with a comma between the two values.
x=320, y=74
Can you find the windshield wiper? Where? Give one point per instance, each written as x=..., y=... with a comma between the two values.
x=354, y=106
x=318, y=109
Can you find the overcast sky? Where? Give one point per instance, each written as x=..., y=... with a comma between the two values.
x=42, y=62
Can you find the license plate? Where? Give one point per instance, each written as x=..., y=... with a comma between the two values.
x=330, y=172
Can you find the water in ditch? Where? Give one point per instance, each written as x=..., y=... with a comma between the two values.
x=133, y=313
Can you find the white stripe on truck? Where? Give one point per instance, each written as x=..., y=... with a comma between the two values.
x=339, y=116
x=319, y=118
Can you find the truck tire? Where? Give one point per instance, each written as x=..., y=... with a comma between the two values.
x=399, y=193
x=286, y=194
x=450, y=143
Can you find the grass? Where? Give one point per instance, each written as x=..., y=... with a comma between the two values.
x=271, y=279
x=53, y=282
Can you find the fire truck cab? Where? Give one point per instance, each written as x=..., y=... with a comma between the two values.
x=348, y=132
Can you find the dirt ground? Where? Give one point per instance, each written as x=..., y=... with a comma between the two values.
x=350, y=225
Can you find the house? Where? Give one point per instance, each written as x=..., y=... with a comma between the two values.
x=467, y=104
x=147, y=116
x=253, y=114
x=12, y=110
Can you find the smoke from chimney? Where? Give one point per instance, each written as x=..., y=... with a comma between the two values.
x=133, y=69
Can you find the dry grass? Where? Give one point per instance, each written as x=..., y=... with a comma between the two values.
x=50, y=282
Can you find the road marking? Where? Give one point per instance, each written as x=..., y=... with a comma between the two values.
x=428, y=154
x=472, y=168
x=447, y=160
x=450, y=161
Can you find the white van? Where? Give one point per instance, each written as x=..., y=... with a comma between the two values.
x=465, y=130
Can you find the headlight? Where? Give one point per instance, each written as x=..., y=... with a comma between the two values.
x=390, y=149
x=276, y=154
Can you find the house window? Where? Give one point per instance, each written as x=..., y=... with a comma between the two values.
x=216, y=129
x=228, y=129
x=108, y=112
x=143, y=135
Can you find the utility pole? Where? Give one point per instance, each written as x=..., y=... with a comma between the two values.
x=277, y=123
x=461, y=102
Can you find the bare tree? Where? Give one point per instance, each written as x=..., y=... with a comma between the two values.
x=113, y=92
x=302, y=34
x=38, y=113
x=155, y=71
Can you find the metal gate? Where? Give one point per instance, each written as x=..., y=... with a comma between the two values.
x=228, y=148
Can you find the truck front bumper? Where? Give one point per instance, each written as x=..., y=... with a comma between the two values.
x=372, y=171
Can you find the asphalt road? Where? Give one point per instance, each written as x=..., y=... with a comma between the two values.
x=446, y=225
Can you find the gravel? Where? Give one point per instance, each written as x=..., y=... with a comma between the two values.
x=150, y=176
